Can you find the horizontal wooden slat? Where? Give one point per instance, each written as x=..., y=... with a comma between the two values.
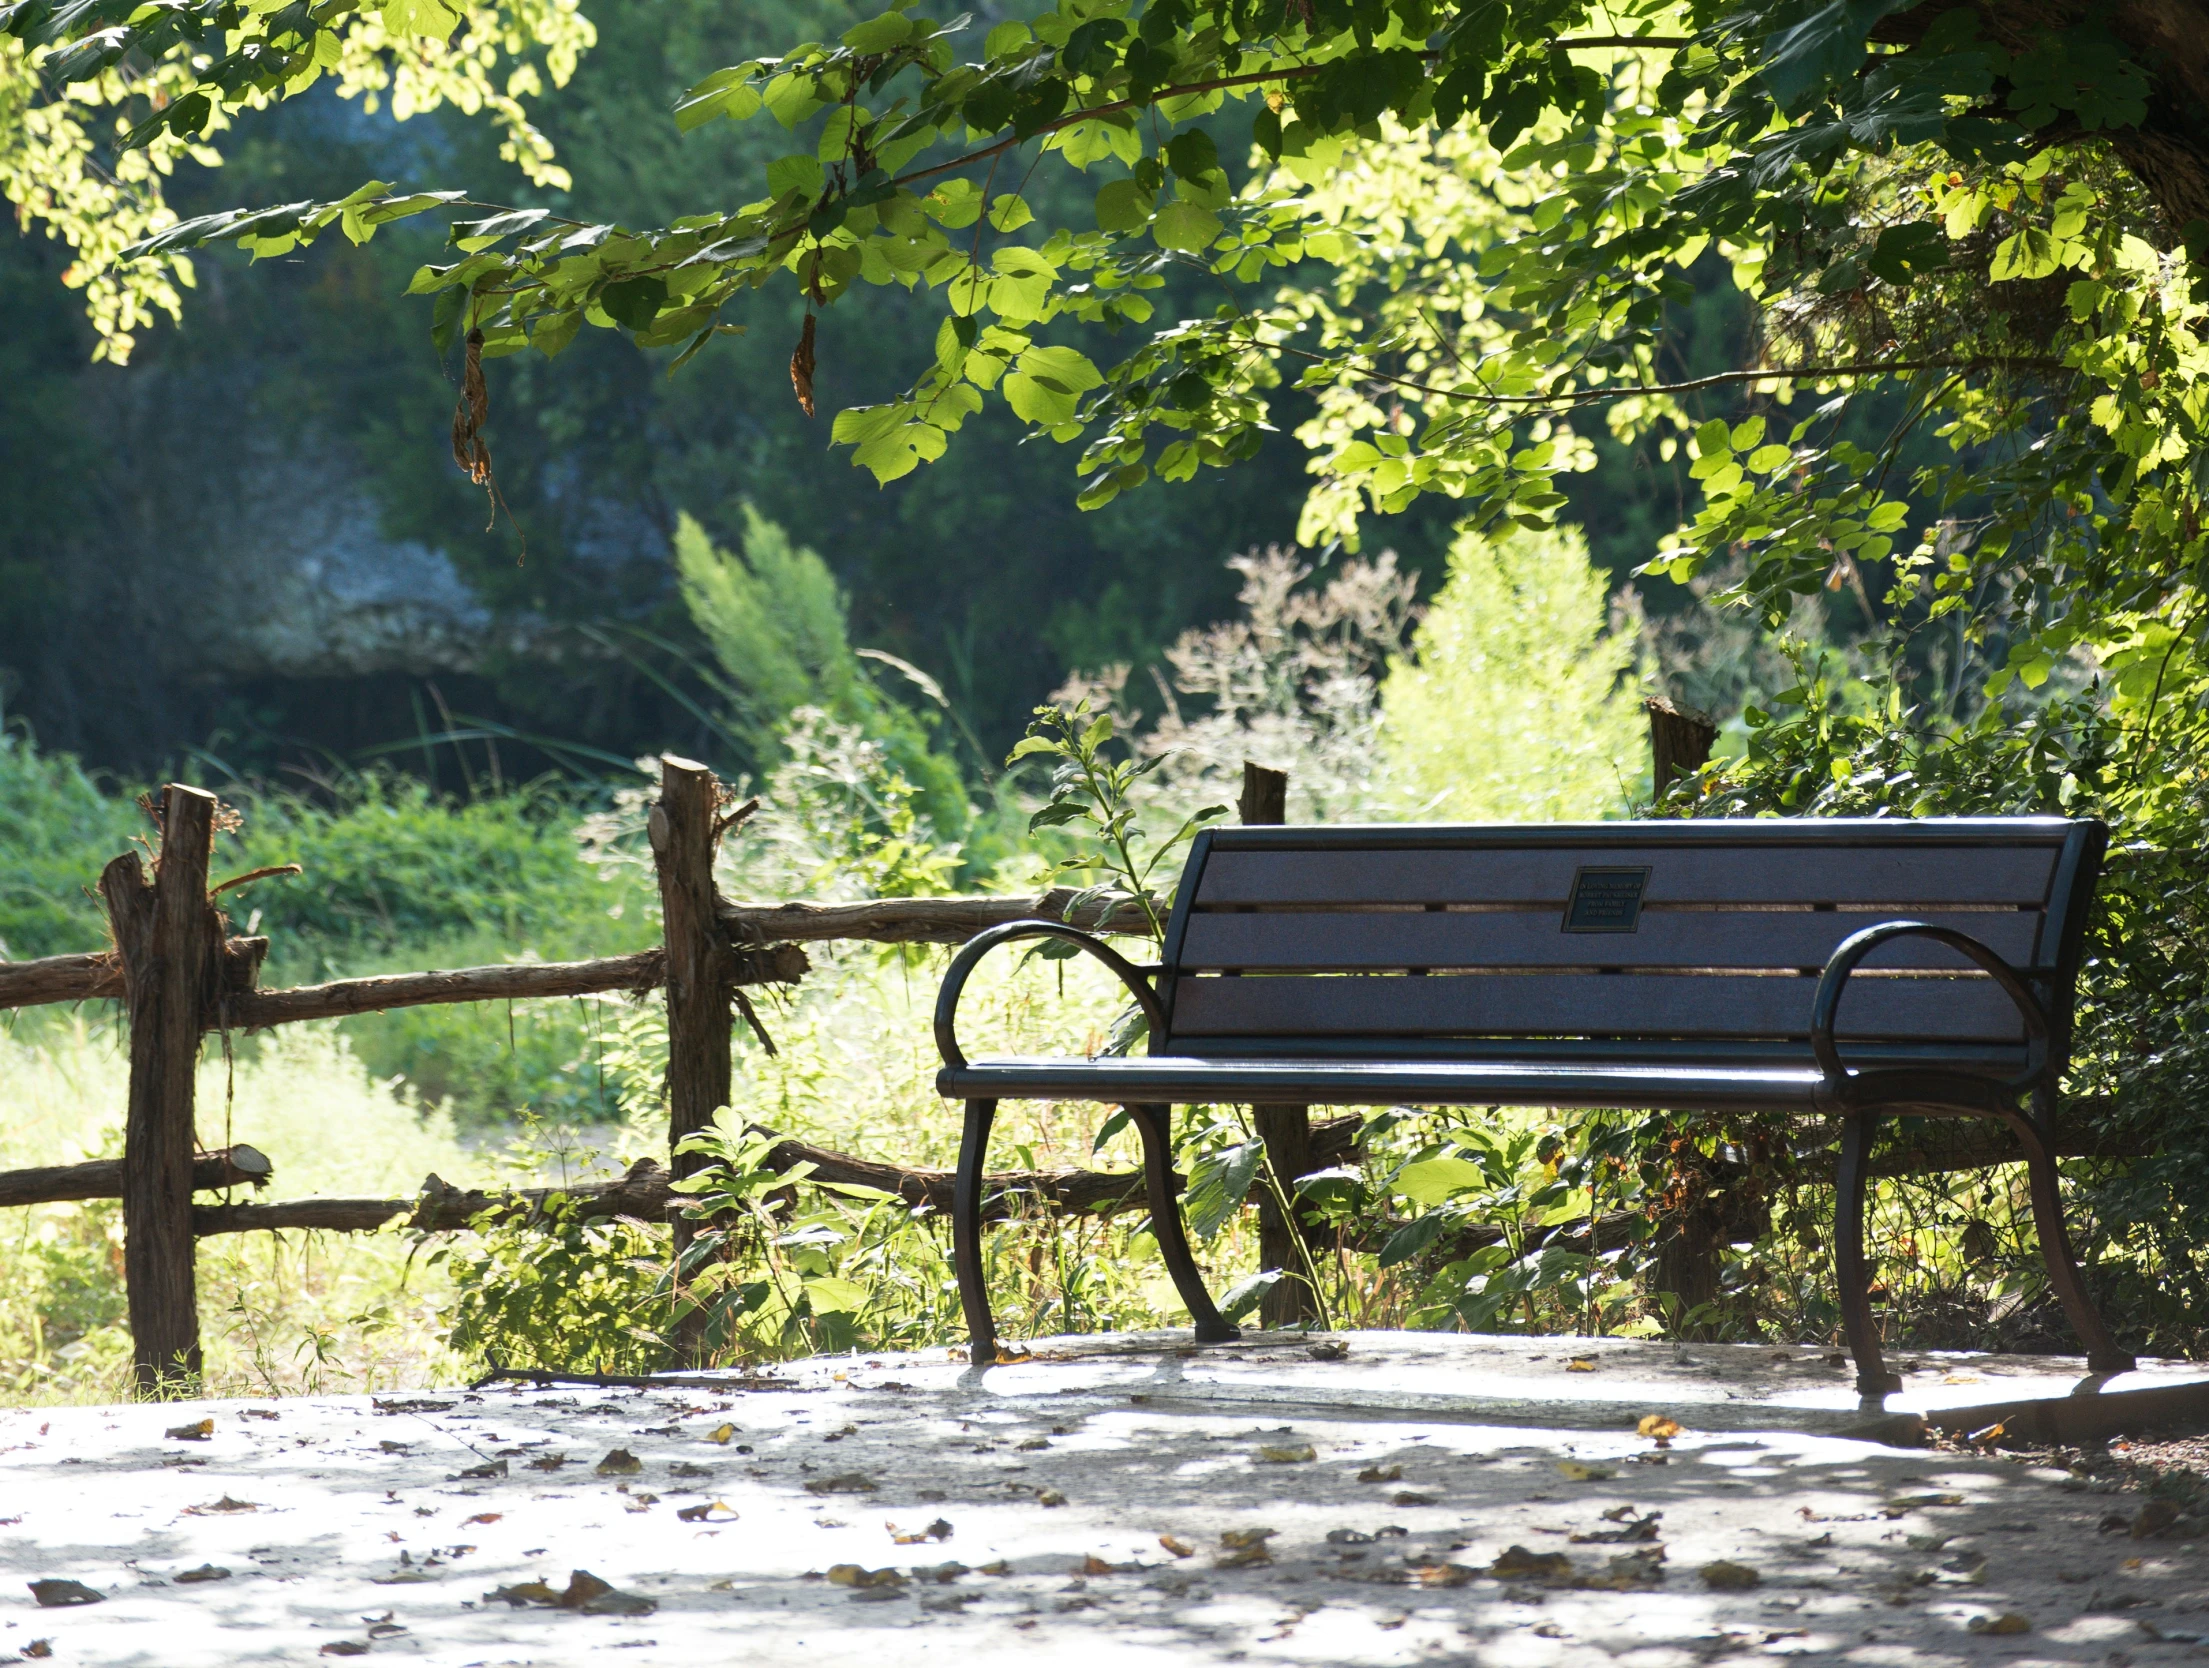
x=1584, y=1004
x=1535, y=938
x=1899, y=874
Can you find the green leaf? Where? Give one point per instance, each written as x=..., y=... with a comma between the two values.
x=1433, y=1181
x=879, y=34
x=634, y=302
x=1218, y=1184
x=1028, y=746
x=727, y=92
x=1048, y=383
x=1416, y=1236
x=1185, y=225
x=1122, y=206
x=1008, y=213
x=1246, y=1294
x=831, y=1296
x=801, y=174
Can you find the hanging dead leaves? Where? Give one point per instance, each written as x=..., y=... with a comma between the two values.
x=470, y=450
x=801, y=366
x=470, y=412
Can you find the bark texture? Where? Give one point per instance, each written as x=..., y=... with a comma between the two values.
x=2169, y=39
x=102, y=1178
x=169, y=936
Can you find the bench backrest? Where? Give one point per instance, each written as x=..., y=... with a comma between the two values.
x=1696, y=939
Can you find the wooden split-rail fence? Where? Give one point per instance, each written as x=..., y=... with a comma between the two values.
x=180, y=974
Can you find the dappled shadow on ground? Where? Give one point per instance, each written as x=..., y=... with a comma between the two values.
x=920, y=1512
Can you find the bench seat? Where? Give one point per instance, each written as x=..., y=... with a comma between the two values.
x=1183, y=1080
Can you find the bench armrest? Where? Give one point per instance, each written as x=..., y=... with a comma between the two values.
x=1135, y=978
x=1826, y=1005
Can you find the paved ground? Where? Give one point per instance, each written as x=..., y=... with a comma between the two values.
x=1369, y=1499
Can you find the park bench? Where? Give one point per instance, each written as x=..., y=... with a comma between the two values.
x=1856, y=969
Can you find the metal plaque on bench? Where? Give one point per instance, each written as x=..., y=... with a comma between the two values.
x=1606, y=899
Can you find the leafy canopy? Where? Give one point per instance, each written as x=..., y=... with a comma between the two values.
x=1460, y=229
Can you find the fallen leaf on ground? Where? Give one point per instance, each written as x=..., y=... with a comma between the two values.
x=1723, y=1575
x=704, y=1514
x=854, y=1575
x=847, y=1482
x=1579, y=1364
x=1962, y=1378
x=548, y=1462
x=585, y=1593
x=1441, y=1575
x=482, y=1473
x=199, y=1432
x=1000, y=1567
x=940, y=1530
x=482, y=1517
x=39, y=1648
x=1644, y=1529
x=1515, y=1561
x=1243, y=1547
x=1661, y=1426
x=950, y=1570
x=721, y=1434
x=344, y=1647
x=2155, y=1517
x=620, y=1463
x=56, y=1593
x=1381, y=1474
x=1177, y=1546
x=1410, y=1497
x=225, y=1504
x=1624, y=1572
x=1294, y=1453
x=402, y=1578
x=394, y=1447
x=206, y=1572
x=1579, y=1471
x=2008, y=1622
x=1912, y=1502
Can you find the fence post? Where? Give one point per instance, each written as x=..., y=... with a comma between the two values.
x=699, y=966
x=1286, y=1130
x=169, y=937
x=1679, y=742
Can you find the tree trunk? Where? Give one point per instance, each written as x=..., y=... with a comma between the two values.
x=2169, y=39
x=699, y=966
x=170, y=938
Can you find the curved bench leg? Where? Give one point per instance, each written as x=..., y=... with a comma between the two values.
x=966, y=1231
x=2102, y=1353
x=1849, y=1267
x=1155, y=1125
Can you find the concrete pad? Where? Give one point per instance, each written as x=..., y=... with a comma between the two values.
x=1104, y=1501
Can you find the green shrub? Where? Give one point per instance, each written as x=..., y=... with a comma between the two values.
x=1515, y=703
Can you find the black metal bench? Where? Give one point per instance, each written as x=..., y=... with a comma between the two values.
x=1851, y=968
